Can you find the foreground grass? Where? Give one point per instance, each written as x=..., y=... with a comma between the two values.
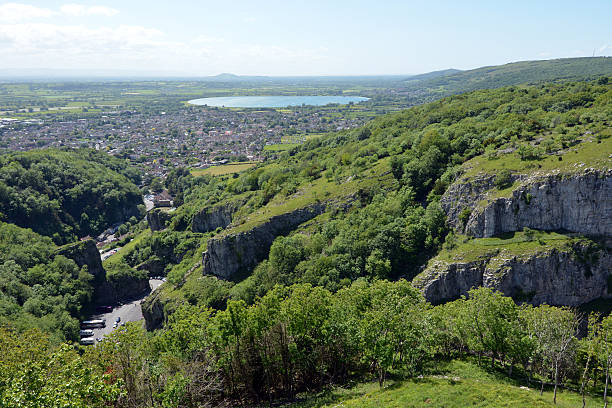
x=457, y=384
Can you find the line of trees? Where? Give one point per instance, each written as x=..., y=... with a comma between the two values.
x=304, y=338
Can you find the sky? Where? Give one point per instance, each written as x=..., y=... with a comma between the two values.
x=290, y=37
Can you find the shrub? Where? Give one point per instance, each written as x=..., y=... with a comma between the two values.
x=503, y=179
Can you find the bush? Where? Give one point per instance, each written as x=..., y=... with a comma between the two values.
x=503, y=179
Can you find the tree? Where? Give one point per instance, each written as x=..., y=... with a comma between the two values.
x=555, y=329
x=591, y=345
x=494, y=322
x=606, y=351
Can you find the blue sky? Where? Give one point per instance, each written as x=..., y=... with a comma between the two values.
x=333, y=37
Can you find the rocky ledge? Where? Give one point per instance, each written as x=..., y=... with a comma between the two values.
x=572, y=276
x=236, y=254
x=577, y=202
x=85, y=253
x=219, y=216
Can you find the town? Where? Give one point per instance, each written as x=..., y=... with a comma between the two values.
x=194, y=137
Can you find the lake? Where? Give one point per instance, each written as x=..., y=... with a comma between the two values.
x=275, y=101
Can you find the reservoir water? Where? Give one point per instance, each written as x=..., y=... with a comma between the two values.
x=275, y=101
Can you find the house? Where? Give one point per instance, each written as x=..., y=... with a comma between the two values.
x=163, y=199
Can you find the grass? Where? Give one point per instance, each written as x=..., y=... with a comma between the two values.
x=111, y=262
x=513, y=243
x=588, y=153
x=224, y=169
x=280, y=147
x=457, y=384
x=321, y=189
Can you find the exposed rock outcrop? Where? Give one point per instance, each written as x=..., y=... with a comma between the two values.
x=236, y=254
x=219, y=216
x=553, y=276
x=153, y=310
x=85, y=253
x=579, y=202
x=157, y=218
x=110, y=292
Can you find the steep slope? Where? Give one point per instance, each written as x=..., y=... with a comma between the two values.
x=372, y=202
x=561, y=194
x=66, y=194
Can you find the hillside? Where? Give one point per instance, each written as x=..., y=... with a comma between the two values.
x=457, y=384
x=39, y=286
x=66, y=195
x=371, y=203
x=523, y=72
x=359, y=255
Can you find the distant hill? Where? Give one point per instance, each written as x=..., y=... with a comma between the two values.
x=433, y=74
x=565, y=69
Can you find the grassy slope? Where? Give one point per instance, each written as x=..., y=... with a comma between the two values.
x=517, y=73
x=514, y=244
x=457, y=384
x=589, y=153
x=224, y=169
x=320, y=189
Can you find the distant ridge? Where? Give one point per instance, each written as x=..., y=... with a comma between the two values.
x=515, y=73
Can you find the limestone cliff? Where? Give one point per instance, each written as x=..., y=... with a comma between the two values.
x=153, y=310
x=157, y=219
x=238, y=253
x=577, y=202
x=219, y=216
x=85, y=253
x=571, y=276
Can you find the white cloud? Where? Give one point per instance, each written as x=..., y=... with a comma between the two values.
x=603, y=48
x=50, y=45
x=80, y=10
x=15, y=12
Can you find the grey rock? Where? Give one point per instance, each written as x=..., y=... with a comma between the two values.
x=219, y=216
x=157, y=218
x=85, y=253
x=554, y=276
x=579, y=203
x=237, y=254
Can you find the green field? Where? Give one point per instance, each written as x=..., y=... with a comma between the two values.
x=457, y=384
x=224, y=169
x=281, y=147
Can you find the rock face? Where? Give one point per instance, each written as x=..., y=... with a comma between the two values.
x=85, y=253
x=466, y=195
x=554, y=276
x=113, y=292
x=211, y=218
x=237, y=254
x=579, y=203
x=153, y=311
x=157, y=218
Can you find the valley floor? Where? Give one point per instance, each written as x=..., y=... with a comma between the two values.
x=456, y=384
